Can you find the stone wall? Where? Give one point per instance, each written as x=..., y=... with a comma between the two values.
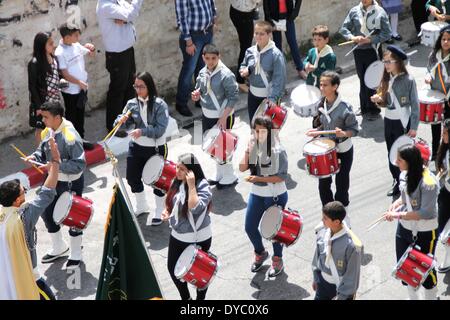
x=156, y=50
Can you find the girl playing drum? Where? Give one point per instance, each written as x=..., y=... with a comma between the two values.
x=398, y=93
x=416, y=211
x=267, y=161
x=150, y=117
x=335, y=114
x=187, y=206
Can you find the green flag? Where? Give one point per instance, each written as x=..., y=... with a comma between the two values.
x=126, y=272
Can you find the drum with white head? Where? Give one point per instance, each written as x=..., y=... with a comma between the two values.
x=305, y=100
x=374, y=74
x=429, y=32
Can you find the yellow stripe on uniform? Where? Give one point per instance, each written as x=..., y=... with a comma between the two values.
x=165, y=151
x=42, y=293
x=231, y=121
x=433, y=238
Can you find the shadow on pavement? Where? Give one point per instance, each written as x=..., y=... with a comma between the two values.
x=156, y=236
x=372, y=129
x=366, y=259
x=226, y=201
x=70, y=284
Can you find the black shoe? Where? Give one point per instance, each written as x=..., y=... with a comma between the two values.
x=224, y=186
x=121, y=134
x=397, y=37
x=49, y=258
x=183, y=110
x=156, y=221
x=88, y=145
x=72, y=264
x=259, y=260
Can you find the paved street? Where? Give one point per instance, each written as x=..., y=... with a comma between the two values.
x=370, y=180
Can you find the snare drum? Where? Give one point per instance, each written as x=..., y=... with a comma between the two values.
x=420, y=144
x=220, y=144
x=414, y=267
x=431, y=106
x=196, y=267
x=277, y=113
x=282, y=225
x=305, y=100
x=159, y=173
x=430, y=32
x=321, y=157
x=73, y=211
x=374, y=74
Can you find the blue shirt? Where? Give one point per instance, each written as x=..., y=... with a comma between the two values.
x=116, y=37
x=194, y=15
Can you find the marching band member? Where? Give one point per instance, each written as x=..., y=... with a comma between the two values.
x=398, y=93
x=217, y=90
x=367, y=25
x=416, y=211
x=188, y=204
x=265, y=67
x=268, y=164
x=439, y=9
x=150, y=117
x=443, y=165
x=20, y=277
x=438, y=78
x=70, y=178
x=335, y=114
x=337, y=260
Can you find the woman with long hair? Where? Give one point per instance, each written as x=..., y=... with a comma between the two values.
x=398, y=93
x=43, y=79
x=416, y=211
x=268, y=164
x=437, y=77
x=188, y=204
x=443, y=166
x=149, y=117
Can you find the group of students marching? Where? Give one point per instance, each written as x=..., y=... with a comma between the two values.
x=422, y=209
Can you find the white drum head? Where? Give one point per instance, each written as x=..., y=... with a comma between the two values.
x=429, y=96
x=152, y=169
x=319, y=146
x=305, y=96
x=270, y=222
x=185, y=261
x=400, y=142
x=374, y=74
x=209, y=137
x=62, y=207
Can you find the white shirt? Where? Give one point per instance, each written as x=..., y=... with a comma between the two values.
x=71, y=58
x=245, y=5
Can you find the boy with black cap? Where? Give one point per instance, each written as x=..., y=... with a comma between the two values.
x=398, y=93
x=337, y=260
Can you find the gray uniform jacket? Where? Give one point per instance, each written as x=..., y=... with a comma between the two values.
x=405, y=89
x=377, y=19
x=347, y=252
x=157, y=119
x=30, y=213
x=181, y=226
x=71, y=150
x=274, y=65
x=276, y=165
x=224, y=86
x=436, y=82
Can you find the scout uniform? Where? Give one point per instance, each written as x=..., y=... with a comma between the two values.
x=218, y=90
x=337, y=263
x=442, y=6
x=322, y=61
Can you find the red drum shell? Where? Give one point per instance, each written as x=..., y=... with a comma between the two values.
x=168, y=174
x=431, y=113
x=282, y=225
x=324, y=162
x=278, y=114
x=222, y=146
x=73, y=211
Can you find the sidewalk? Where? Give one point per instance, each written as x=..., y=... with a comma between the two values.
x=12, y=167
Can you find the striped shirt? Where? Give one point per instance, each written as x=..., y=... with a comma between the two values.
x=194, y=15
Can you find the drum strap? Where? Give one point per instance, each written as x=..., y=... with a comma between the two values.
x=402, y=112
x=438, y=63
x=329, y=260
x=410, y=209
x=447, y=94
x=327, y=112
x=258, y=67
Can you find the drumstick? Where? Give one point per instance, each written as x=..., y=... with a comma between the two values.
x=24, y=155
x=441, y=174
x=353, y=49
x=32, y=161
x=345, y=43
x=117, y=126
x=375, y=223
x=326, y=132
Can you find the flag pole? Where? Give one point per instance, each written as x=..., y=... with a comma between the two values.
x=116, y=174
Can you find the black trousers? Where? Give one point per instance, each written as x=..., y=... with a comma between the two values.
x=75, y=105
x=342, y=181
x=77, y=187
x=427, y=243
x=253, y=103
x=243, y=22
x=363, y=59
x=45, y=292
x=326, y=290
x=436, y=131
x=122, y=68
x=208, y=123
x=136, y=160
x=419, y=13
x=176, y=248
x=393, y=129
x=443, y=208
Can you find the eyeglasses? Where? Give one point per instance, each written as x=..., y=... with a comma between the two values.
x=139, y=87
x=389, y=61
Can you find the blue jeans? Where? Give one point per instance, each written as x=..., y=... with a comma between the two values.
x=291, y=38
x=191, y=64
x=255, y=210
